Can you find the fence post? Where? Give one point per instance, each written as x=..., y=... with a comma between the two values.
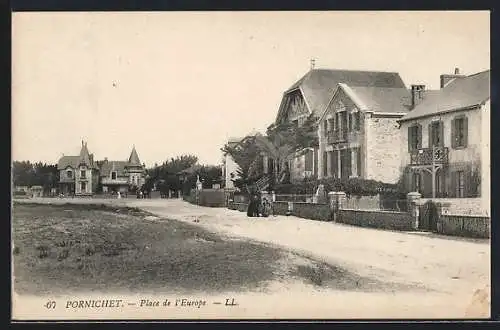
x=336, y=199
x=413, y=207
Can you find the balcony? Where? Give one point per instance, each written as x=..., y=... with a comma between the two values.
x=429, y=156
x=336, y=136
x=108, y=181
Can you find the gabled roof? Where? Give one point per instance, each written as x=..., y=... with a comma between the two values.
x=382, y=99
x=317, y=86
x=460, y=93
x=113, y=165
x=134, y=158
x=376, y=99
x=68, y=161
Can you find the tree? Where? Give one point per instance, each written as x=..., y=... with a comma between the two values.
x=165, y=176
x=28, y=174
x=246, y=154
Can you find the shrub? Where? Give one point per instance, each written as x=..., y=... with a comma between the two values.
x=352, y=186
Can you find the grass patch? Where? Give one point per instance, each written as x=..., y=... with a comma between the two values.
x=70, y=248
x=82, y=248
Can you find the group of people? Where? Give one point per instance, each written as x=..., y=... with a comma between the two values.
x=258, y=206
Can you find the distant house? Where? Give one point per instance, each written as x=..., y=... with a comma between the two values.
x=117, y=175
x=81, y=175
x=78, y=175
x=312, y=94
x=36, y=191
x=446, y=140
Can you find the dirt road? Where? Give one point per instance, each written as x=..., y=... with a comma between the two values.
x=453, y=273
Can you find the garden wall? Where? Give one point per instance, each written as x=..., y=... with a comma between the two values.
x=377, y=219
x=305, y=210
x=468, y=206
x=464, y=225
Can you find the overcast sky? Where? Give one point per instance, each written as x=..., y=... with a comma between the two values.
x=183, y=82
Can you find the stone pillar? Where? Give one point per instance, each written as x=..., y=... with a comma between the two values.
x=289, y=210
x=320, y=195
x=442, y=209
x=337, y=200
x=413, y=206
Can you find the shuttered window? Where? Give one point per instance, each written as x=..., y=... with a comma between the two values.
x=357, y=121
x=335, y=164
x=459, y=132
x=436, y=134
x=309, y=160
x=414, y=137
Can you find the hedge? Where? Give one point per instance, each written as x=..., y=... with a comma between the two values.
x=352, y=186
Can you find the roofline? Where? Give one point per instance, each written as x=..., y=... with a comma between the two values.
x=469, y=107
x=389, y=113
x=329, y=102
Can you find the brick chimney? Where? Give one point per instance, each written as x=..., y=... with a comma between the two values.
x=446, y=78
x=417, y=95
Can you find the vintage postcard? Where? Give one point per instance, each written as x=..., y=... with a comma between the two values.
x=250, y=165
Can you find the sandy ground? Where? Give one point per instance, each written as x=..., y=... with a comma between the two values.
x=453, y=273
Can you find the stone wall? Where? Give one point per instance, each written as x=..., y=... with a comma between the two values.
x=304, y=210
x=377, y=219
x=383, y=157
x=461, y=206
x=464, y=225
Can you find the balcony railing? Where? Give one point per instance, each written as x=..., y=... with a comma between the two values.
x=111, y=181
x=336, y=136
x=428, y=156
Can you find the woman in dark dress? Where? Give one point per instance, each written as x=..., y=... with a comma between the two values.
x=253, y=206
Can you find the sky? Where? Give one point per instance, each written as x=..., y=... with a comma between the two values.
x=174, y=83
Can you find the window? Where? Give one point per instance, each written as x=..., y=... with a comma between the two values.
x=331, y=124
x=345, y=163
x=436, y=134
x=83, y=186
x=325, y=126
x=356, y=118
x=325, y=163
x=113, y=175
x=335, y=163
x=459, y=132
x=414, y=137
x=439, y=181
x=83, y=174
x=309, y=161
x=69, y=174
x=460, y=184
x=356, y=162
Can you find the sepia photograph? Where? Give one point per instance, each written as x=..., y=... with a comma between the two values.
x=250, y=165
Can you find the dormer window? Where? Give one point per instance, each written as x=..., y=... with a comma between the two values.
x=113, y=175
x=69, y=174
